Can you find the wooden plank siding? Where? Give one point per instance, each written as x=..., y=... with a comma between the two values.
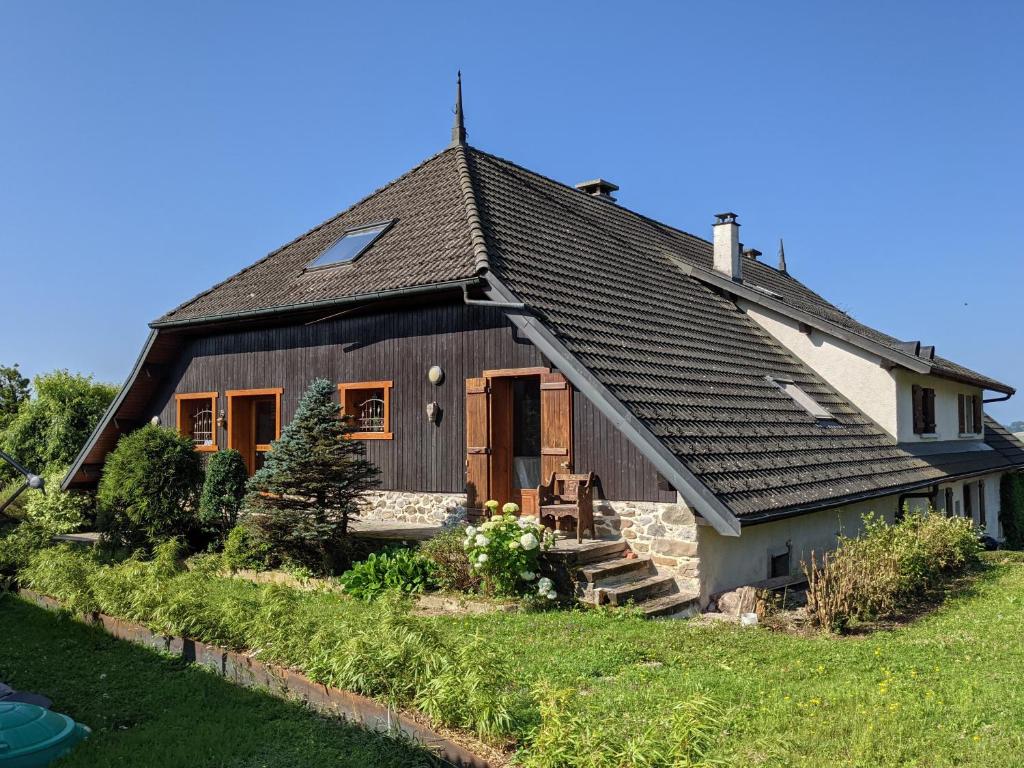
x=401, y=346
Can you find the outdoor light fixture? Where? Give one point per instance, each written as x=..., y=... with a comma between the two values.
x=222, y=420
x=435, y=374
x=31, y=481
x=155, y=421
x=433, y=412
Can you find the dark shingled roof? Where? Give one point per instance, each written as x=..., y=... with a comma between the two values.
x=679, y=355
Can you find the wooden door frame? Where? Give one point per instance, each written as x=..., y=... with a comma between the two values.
x=232, y=394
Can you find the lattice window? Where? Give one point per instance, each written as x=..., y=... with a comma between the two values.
x=197, y=419
x=202, y=426
x=368, y=404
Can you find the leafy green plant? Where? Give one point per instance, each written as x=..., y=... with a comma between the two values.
x=244, y=548
x=505, y=551
x=452, y=570
x=59, y=511
x=63, y=572
x=400, y=570
x=14, y=391
x=223, y=490
x=149, y=488
x=311, y=484
x=48, y=430
x=888, y=568
x=1011, y=508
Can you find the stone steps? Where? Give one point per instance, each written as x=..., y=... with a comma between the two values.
x=679, y=605
x=570, y=554
x=636, y=591
x=604, y=570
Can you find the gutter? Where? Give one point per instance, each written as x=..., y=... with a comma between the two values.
x=704, y=502
x=361, y=298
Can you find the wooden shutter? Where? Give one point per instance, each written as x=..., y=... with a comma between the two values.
x=978, y=414
x=555, y=425
x=961, y=408
x=949, y=502
x=929, y=410
x=918, y=409
x=478, y=442
x=981, y=504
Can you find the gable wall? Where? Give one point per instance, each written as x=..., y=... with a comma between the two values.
x=400, y=346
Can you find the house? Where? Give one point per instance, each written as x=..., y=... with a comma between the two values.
x=487, y=326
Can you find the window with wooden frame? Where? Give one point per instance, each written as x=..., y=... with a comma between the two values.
x=924, y=410
x=368, y=403
x=197, y=419
x=970, y=414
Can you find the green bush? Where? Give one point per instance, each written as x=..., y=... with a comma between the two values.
x=1011, y=512
x=14, y=390
x=311, y=484
x=59, y=511
x=223, y=490
x=452, y=571
x=889, y=568
x=245, y=548
x=399, y=570
x=149, y=489
x=505, y=551
x=48, y=431
x=64, y=572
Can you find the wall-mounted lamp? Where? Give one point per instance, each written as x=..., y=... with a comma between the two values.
x=435, y=375
x=222, y=420
x=155, y=421
x=433, y=412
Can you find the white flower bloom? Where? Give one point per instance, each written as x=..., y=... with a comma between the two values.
x=544, y=585
x=551, y=595
x=529, y=541
x=528, y=519
x=513, y=545
x=482, y=557
x=481, y=540
x=527, y=575
x=471, y=531
x=510, y=508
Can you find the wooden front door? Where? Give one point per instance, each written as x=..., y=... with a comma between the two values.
x=254, y=422
x=518, y=432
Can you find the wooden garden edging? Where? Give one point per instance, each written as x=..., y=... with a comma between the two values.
x=279, y=681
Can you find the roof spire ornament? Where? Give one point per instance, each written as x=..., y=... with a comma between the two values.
x=459, y=126
x=782, y=257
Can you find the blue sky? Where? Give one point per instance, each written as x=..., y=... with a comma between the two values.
x=148, y=151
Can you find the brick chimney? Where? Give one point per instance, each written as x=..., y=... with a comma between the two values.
x=727, y=247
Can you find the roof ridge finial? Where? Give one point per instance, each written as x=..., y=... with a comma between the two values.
x=782, y=257
x=459, y=126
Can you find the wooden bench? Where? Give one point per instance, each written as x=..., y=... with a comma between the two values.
x=568, y=496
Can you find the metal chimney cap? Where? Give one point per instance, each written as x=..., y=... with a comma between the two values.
x=725, y=218
x=599, y=188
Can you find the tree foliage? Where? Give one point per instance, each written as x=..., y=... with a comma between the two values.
x=149, y=489
x=1011, y=509
x=14, y=390
x=223, y=491
x=48, y=430
x=309, y=486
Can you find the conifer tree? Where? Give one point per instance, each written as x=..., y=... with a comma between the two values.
x=310, y=483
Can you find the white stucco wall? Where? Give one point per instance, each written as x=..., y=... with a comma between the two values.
x=855, y=373
x=947, y=413
x=992, y=502
x=730, y=562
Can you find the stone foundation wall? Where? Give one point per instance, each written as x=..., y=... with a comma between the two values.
x=411, y=507
x=665, y=531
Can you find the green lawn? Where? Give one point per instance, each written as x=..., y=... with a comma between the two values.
x=945, y=690
x=149, y=710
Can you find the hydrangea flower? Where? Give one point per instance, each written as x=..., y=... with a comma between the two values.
x=527, y=575
x=510, y=508
x=529, y=541
x=513, y=545
x=482, y=557
x=470, y=531
x=481, y=540
x=544, y=585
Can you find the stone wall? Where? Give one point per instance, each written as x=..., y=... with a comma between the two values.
x=412, y=507
x=665, y=531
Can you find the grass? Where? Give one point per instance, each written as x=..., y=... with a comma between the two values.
x=942, y=690
x=146, y=709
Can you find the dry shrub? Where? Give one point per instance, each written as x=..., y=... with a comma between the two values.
x=888, y=569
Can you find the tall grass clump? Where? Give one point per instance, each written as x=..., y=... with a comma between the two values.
x=574, y=734
x=888, y=569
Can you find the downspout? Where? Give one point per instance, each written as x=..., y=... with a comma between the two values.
x=997, y=399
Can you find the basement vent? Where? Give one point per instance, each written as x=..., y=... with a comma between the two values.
x=805, y=401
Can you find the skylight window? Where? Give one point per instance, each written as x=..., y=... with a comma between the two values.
x=804, y=400
x=349, y=246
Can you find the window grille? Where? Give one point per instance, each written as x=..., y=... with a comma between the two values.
x=371, y=415
x=202, y=426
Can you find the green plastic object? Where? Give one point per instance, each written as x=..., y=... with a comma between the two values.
x=31, y=736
